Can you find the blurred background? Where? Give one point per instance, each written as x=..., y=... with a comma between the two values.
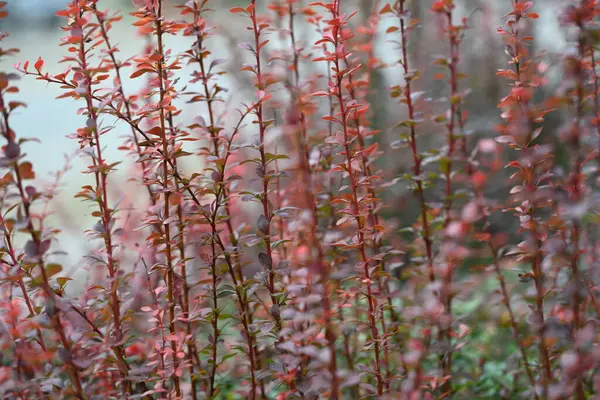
x=36, y=31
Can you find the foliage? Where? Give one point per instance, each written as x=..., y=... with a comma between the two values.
x=279, y=268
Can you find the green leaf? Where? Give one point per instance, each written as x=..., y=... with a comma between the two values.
x=53, y=269
x=62, y=281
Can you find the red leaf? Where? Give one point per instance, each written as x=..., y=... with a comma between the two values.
x=39, y=63
x=155, y=131
x=140, y=72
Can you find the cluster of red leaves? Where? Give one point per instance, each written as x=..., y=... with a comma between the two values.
x=276, y=269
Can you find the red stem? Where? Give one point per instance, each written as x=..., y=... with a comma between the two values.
x=348, y=153
x=166, y=178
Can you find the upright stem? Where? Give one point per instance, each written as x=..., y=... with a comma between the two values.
x=166, y=178
x=263, y=165
x=417, y=165
x=215, y=313
x=373, y=216
x=101, y=177
x=596, y=97
x=506, y=296
x=117, y=68
x=311, y=204
x=337, y=32
x=530, y=186
x=575, y=191
x=446, y=293
x=417, y=159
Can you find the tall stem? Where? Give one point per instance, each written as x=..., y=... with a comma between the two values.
x=166, y=178
x=337, y=34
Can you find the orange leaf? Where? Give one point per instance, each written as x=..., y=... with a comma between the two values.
x=175, y=199
x=386, y=9
x=26, y=170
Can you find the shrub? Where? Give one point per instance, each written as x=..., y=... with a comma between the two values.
x=277, y=249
